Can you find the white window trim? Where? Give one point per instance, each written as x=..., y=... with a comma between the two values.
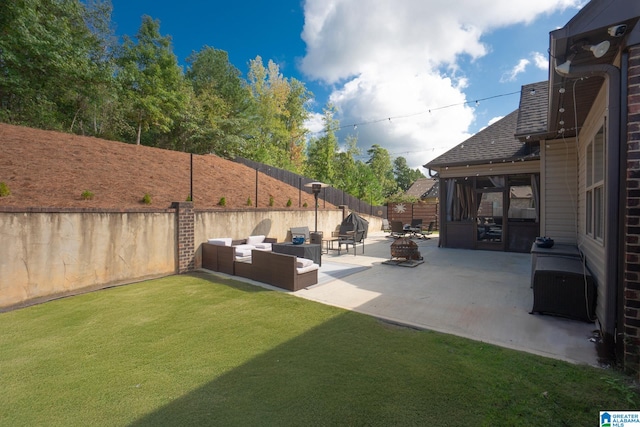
x=594, y=191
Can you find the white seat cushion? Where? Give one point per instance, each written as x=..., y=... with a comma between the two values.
x=244, y=250
x=263, y=246
x=254, y=240
x=220, y=241
x=303, y=262
x=308, y=268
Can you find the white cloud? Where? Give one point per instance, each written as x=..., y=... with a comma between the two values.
x=512, y=74
x=401, y=58
x=314, y=123
x=540, y=60
x=495, y=120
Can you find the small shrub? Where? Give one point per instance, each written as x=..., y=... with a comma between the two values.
x=189, y=198
x=223, y=201
x=87, y=195
x=271, y=200
x=4, y=189
x=289, y=203
x=146, y=199
x=249, y=202
x=305, y=205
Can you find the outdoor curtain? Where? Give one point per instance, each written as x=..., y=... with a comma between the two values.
x=536, y=195
x=460, y=196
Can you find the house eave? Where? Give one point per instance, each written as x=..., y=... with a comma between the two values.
x=571, y=93
x=439, y=166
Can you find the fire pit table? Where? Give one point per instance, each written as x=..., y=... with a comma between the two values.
x=405, y=248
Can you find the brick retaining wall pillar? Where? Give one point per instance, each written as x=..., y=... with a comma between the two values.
x=631, y=296
x=186, y=247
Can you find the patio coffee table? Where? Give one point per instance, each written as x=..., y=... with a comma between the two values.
x=312, y=251
x=329, y=244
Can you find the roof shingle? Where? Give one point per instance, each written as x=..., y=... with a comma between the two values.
x=494, y=143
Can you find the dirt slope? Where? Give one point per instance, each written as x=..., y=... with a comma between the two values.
x=52, y=169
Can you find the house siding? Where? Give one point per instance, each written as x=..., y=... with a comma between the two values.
x=631, y=282
x=559, y=190
x=594, y=250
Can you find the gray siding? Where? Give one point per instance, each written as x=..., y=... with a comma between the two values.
x=594, y=250
x=559, y=190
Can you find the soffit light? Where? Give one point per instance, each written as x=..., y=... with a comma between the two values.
x=599, y=49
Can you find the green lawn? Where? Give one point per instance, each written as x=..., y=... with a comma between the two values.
x=196, y=350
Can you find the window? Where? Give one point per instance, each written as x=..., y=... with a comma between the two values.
x=523, y=198
x=594, y=198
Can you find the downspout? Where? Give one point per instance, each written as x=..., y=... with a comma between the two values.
x=612, y=77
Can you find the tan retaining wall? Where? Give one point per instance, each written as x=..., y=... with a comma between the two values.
x=44, y=255
x=47, y=254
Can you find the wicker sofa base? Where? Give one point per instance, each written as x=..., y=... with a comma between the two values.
x=218, y=258
x=268, y=267
x=223, y=258
x=280, y=270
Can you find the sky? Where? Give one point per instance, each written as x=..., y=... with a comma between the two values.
x=416, y=77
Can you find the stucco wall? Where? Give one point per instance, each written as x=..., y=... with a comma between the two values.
x=241, y=224
x=276, y=224
x=44, y=255
x=47, y=254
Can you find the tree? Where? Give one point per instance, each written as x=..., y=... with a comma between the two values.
x=223, y=102
x=296, y=114
x=380, y=164
x=98, y=109
x=47, y=62
x=405, y=176
x=151, y=79
x=321, y=152
x=346, y=177
x=270, y=91
x=369, y=187
x=279, y=114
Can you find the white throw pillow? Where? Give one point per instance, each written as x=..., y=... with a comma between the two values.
x=221, y=241
x=253, y=240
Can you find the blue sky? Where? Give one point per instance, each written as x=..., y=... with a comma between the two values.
x=404, y=74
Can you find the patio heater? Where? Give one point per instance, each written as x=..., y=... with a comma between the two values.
x=316, y=187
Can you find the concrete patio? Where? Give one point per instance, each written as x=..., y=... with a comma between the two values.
x=481, y=295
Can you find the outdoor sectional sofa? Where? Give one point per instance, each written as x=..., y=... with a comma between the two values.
x=221, y=253
x=281, y=270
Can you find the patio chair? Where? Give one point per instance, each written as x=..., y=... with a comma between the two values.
x=353, y=238
x=429, y=229
x=386, y=227
x=416, y=227
x=397, y=229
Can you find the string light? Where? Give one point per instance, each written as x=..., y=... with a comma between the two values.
x=428, y=111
